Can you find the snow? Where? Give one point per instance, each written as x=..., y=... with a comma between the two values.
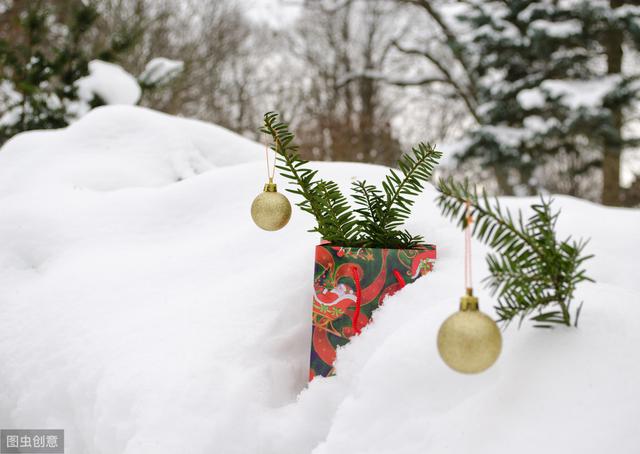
x=533, y=8
x=538, y=124
x=573, y=93
x=12, y=108
x=625, y=11
x=561, y=29
x=507, y=135
x=450, y=149
x=110, y=82
x=106, y=80
x=450, y=13
x=275, y=13
x=9, y=104
x=499, y=30
x=530, y=98
x=581, y=93
x=142, y=311
x=119, y=147
x=161, y=70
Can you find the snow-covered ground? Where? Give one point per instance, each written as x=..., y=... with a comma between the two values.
x=143, y=312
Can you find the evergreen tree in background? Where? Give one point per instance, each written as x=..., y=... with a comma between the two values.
x=45, y=46
x=544, y=81
x=551, y=103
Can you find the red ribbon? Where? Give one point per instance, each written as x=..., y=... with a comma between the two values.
x=399, y=278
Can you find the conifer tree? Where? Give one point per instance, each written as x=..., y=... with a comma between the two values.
x=531, y=73
x=551, y=103
x=43, y=51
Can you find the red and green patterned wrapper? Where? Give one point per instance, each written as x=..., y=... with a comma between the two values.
x=339, y=271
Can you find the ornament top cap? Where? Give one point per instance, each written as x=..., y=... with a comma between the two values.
x=270, y=186
x=469, y=302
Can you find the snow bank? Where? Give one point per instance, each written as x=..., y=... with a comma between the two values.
x=117, y=148
x=142, y=311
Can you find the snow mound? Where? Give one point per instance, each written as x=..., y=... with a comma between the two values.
x=142, y=311
x=117, y=147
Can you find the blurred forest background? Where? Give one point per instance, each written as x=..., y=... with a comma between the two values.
x=522, y=96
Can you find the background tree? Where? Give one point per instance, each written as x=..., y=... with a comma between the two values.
x=531, y=75
x=532, y=96
x=45, y=47
x=345, y=119
x=217, y=45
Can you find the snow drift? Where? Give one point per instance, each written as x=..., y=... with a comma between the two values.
x=142, y=311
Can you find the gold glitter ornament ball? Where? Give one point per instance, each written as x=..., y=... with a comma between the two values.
x=469, y=341
x=271, y=210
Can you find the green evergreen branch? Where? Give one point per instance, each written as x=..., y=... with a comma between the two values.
x=335, y=221
x=383, y=214
x=416, y=169
x=287, y=155
x=369, y=198
x=290, y=162
x=532, y=273
x=339, y=221
x=379, y=213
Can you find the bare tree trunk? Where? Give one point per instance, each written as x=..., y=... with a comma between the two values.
x=502, y=178
x=613, y=149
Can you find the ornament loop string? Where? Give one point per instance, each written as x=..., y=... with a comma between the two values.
x=467, y=248
x=271, y=169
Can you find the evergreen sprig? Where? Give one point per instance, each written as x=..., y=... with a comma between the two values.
x=322, y=199
x=400, y=188
x=532, y=272
x=379, y=214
